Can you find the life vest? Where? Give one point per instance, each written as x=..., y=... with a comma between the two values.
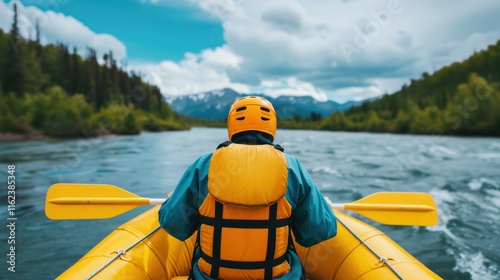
x=244, y=231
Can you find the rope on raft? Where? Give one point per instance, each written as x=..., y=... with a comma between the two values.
x=120, y=253
x=380, y=258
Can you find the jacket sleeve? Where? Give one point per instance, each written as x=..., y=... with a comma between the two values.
x=313, y=221
x=179, y=215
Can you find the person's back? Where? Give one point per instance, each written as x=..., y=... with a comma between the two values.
x=245, y=199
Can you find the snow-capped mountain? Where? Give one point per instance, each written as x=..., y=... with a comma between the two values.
x=214, y=105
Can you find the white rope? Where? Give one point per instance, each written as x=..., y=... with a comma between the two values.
x=120, y=253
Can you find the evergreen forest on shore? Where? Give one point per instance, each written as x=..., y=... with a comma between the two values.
x=53, y=91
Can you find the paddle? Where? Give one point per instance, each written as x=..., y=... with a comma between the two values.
x=98, y=201
x=395, y=208
x=91, y=201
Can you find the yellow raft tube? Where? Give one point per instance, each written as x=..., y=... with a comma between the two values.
x=141, y=249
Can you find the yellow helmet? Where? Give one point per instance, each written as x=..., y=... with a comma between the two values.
x=251, y=113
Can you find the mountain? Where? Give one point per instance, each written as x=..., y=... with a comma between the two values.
x=214, y=105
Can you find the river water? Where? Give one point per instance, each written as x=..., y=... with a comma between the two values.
x=462, y=174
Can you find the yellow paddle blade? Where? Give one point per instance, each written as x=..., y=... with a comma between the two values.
x=397, y=208
x=89, y=201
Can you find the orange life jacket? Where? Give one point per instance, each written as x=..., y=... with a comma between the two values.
x=245, y=216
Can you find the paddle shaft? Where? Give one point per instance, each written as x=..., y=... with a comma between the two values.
x=385, y=207
x=107, y=201
x=156, y=201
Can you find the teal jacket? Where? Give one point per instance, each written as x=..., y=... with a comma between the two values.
x=313, y=221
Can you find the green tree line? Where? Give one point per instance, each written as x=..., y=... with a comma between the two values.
x=55, y=91
x=460, y=99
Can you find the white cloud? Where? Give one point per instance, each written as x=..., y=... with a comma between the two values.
x=57, y=27
x=291, y=86
x=357, y=93
x=218, y=8
x=221, y=58
x=195, y=73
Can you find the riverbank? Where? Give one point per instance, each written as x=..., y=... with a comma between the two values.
x=10, y=136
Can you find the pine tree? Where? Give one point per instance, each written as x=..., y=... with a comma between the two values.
x=3, y=53
x=91, y=77
x=39, y=48
x=15, y=74
x=75, y=73
x=125, y=87
x=104, y=86
x=64, y=68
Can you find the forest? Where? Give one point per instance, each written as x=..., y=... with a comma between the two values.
x=54, y=91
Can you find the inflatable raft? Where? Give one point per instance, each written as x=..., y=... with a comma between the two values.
x=141, y=249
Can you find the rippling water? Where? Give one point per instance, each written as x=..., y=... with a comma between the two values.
x=463, y=175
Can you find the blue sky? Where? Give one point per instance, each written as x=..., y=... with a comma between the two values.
x=339, y=50
x=150, y=32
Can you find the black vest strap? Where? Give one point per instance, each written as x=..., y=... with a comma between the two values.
x=224, y=144
x=278, y=147
x=243, y=265
x=271, y=241
x=233, y=223
x=214, y=273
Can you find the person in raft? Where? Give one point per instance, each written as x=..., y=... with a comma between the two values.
x=244, y=198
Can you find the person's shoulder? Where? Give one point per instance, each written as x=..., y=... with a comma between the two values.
x=292, y=162
x=289, y=157
x=206, y=156
x=203, y=159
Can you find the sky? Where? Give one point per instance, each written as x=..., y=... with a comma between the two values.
x=329, y=49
